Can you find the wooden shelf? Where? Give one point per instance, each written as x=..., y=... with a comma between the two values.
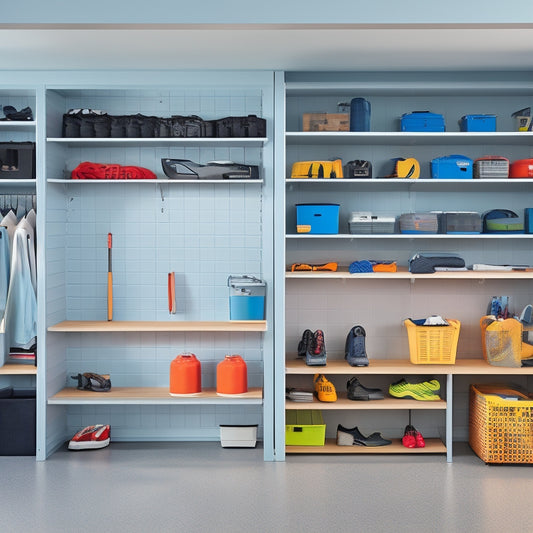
x=403, y=273
x=404, y=366
x=432, y=446
x=87, y=326
x=151, y=395
x=13, y=369
x=344, y=403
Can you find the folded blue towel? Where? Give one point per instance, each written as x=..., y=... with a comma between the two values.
x=360, y=266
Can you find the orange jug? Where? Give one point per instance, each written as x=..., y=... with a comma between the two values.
x=232, y=375
x=185, y=375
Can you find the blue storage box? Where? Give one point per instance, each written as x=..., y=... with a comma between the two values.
x=452, y=167
x=478, y=123
x=422, y=121
x=246, y=298
x=317, y=218
x=528, y=219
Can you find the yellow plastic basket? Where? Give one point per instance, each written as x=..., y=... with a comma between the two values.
x=501, y=430
x=435, y=345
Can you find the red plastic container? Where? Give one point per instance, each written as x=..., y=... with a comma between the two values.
x=185, y=375
x=523, y=168
x=232, y=375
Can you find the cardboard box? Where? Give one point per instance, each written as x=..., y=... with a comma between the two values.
x=326, y=122
x=304, y=428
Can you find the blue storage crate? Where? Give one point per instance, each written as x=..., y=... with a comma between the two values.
x=422, y=121
x=478, y=123
x=452, y=167
x=317, y=218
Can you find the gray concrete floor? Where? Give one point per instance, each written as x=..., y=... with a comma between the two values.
x=199, y=487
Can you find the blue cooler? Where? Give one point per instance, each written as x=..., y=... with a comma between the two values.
x=478, y=123
x=317, y=218
x=247, y=298
x=452, y=167
x=422, y=121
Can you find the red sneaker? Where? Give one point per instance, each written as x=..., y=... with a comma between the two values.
x=409, y=438
x=420, y=442
x=91, y=438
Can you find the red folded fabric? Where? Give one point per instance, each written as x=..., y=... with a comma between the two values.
x=100, y=171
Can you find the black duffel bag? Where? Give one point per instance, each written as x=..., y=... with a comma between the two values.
x=191, y=126
x=250, y=126
x=86, y=123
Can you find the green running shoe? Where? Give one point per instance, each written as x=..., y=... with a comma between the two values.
x=425, y=391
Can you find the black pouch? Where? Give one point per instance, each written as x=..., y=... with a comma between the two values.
x=163, y=127
x=358, y=168
x=188, y=126
x=250, y=126
x=118, y=126
x=86, y=123
x=140, y=126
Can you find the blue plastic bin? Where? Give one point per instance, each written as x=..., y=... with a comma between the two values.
x=247, y=298
x=317, y=218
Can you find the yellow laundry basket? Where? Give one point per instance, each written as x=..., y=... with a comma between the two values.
x=435, y=345
x=501, y=426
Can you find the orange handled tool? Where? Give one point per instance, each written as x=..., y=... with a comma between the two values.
x=171, y=293
x=109, y=278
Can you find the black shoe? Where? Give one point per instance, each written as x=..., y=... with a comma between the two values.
x=355, y=349
x=316, y=352
x=353, y=437
x=305, y=343
x=357, y=391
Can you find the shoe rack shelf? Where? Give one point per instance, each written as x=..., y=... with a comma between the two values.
x=91, y=326
x=330, y=447
x=344, y=403
x=152, y=396
x=11, y=369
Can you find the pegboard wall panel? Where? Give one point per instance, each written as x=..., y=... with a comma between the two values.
x=202, y=232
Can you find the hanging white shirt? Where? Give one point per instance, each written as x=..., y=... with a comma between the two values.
x=21, y=307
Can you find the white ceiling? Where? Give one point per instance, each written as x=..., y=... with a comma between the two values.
x=307, y=47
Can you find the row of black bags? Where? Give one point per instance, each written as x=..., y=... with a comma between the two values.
x=92, y=123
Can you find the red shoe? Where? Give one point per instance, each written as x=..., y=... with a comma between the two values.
x=420, y=443
x=409, y=437
x=91, y=438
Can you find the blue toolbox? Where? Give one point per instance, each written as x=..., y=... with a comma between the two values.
x=452, y=167
x=317, y=218
x=422, y=121
x=478, y=123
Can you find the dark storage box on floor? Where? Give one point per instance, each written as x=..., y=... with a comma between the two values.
x=17, y=421
x=17, y=160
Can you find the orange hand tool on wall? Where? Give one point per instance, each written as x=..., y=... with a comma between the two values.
x=171, y=293
x=109, y=278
